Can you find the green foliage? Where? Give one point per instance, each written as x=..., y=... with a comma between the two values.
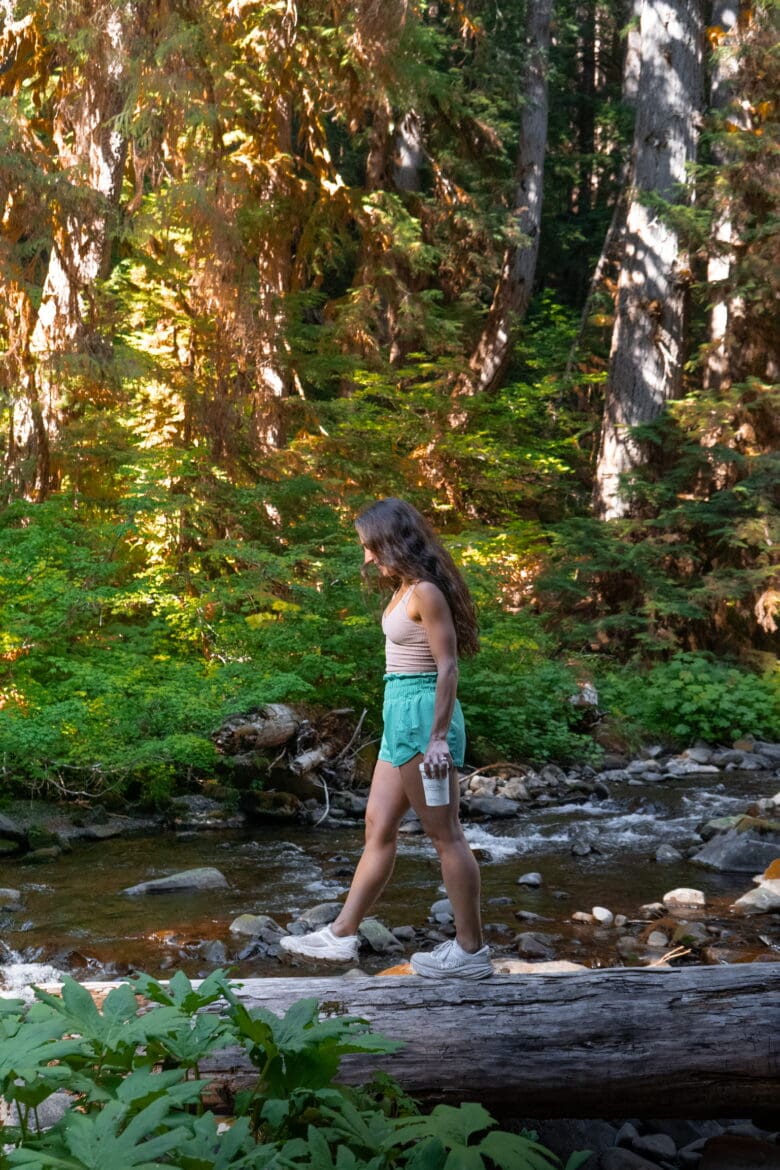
x=693, y=697
x=136, y=1098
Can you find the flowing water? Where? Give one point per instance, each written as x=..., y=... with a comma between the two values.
x=76, y=918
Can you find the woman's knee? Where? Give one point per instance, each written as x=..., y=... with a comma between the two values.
x=445, y=835
x=381, y=831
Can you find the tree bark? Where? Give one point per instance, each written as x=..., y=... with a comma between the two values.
x=650, y=324
x=680, y=1042
x=512, y=295
x=717, y=372
x=91, y=153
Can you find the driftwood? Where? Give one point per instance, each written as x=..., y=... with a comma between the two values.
x=686, y=1042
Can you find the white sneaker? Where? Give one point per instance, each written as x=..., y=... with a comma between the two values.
x=449, y=961
x=322, y=944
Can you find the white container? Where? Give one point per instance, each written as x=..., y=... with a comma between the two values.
x=437, y=790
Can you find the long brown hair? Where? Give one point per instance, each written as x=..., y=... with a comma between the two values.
x=406, y=544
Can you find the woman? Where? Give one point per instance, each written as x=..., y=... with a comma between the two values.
x=429, y=620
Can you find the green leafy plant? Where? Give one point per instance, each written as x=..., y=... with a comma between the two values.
x=692, y=697
x=136, y=1096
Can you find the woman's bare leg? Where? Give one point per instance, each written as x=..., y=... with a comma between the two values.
x=387, y=803
x=459, y=868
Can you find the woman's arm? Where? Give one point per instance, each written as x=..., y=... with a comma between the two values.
x=429, y=606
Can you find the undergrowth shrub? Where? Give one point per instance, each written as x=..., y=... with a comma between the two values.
x=136, y=1090
x=693, y=697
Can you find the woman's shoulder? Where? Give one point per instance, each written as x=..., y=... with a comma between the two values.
x=426, y=596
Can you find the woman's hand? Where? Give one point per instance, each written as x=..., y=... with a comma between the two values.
x=437, y=760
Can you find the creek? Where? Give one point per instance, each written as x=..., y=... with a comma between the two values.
x=75, y=916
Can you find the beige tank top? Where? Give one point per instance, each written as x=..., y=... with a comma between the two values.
x=407, y=650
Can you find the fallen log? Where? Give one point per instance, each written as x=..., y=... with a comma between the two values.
x=680, y=1042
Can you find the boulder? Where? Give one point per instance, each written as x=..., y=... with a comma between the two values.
x=717, y=825
x=10, y=830
x=666, y=854
x=655, y=1146
x=746, y=848
x=204, y=878
x=764, y=899
x=514, y=789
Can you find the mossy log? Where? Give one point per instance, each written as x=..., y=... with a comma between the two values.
x=686, y=1042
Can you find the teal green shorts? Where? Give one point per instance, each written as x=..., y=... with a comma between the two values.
x=408, y=719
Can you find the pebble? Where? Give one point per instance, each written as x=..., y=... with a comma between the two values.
x=657, y=940
x=530, y=879
x=583, y=916
x=603, y=916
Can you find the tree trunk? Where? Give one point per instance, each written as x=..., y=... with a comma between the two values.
x=650, y=323
x=91, y=154
x=609, y=260
x=513, y=292
x=680, y=1042
x=717, y=372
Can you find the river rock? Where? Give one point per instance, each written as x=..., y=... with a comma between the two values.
x=196, y=812
x=748, y=848
x=652, y=910
x=256, y=926
x=603, y=916
x=320, y=915
x=655, y=1146
x=404, y=934
x=532, y=879
x=583, y=917
x=732, y=1151
x=10, y=830
x=680, y=766
x=204, y=878
x=699, y=753
x=552, y=775
x=535, y=945
x=666, y=854
x=514, y=789
x=42, y=856
x=683, y=896
x=271, y=806
x=381, y=940
x=709, y=829
x=7, y=848
x=690, y=934
x=214, y=951
x=483, y=785
x=768, y=749
x=764, y=899
x=441, y=911
x=612, y=775
x=657, y=940
x=491, y=806
x=10, y=899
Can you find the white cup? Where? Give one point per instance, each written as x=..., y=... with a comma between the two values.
x=436, y=789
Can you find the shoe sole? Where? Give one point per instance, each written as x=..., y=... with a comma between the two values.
x=474, y=974
x=307, y=954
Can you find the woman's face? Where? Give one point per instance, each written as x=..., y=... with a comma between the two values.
x=370, y=558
